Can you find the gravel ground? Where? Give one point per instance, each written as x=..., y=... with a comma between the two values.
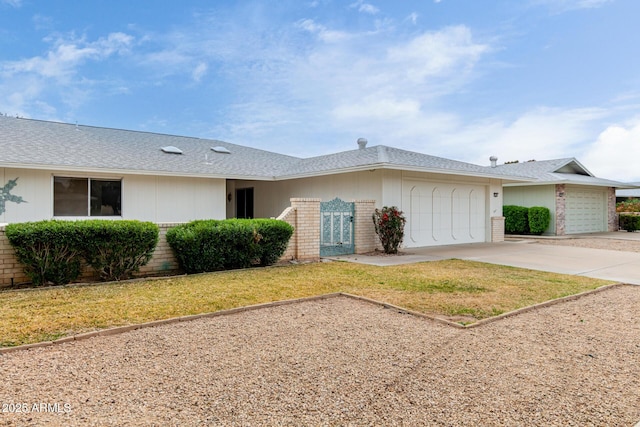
x=341, y=361
x=595, y=243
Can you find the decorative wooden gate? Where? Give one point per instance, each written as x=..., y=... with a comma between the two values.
x=336, y=228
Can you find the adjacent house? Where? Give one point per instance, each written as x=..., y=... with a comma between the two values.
x=579, y=201
x=633, y=192
x=58, y=170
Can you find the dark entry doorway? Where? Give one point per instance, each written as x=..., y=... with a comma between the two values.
x=244, y=203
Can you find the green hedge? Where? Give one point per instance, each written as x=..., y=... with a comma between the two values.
x=515, y=219
x=275, y=238
x=49, y=250
x=539, y=219
x=630, y=222
x=521, y=220
x=117, y=249
x=54, y=251
x=211, y=245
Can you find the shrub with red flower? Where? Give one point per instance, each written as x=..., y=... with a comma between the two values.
x=389, y=225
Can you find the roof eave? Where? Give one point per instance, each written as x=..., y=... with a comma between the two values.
x=390, y=166
x=115, y=171
x=588, y=184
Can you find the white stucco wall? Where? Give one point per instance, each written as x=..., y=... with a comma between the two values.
x=271, y=198
x=147, y=198
x=383, y=186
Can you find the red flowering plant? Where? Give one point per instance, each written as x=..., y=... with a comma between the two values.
x=389, y=225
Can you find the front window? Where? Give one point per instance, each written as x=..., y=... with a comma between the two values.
x=86, y=197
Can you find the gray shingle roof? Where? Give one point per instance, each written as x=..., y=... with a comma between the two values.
x=59, y=145
x=53, y=145
x=389, y=157
x=557, y=171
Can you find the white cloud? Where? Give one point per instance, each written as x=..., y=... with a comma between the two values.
x=55, y=72
x=364, y=7
x=436, y=53
x=413, y=18
x=199, y=71
x=62, y=60
x=540, y=134
x=323, y=33
x=12, y=3
x=614, y=154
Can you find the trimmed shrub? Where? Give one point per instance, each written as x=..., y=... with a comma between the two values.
x=515, y=219
x=275, y=235
x=49, y=250
x=211, y=245
x=53, y=251
x=539, y=219
x=629, y=222
x=389, y=225
x=117, y=249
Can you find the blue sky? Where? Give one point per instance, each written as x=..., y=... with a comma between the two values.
x=462, y=79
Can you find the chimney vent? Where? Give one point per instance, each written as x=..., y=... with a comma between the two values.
x=494, y=161
x=362, y=143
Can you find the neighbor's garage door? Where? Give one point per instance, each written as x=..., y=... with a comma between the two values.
x=443, y=214
x=585, y=210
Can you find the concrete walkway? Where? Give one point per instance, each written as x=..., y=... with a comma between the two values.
x=602, y=264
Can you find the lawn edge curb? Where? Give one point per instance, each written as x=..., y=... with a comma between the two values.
x=493, y=318
x=128, y=328
x=544, y=304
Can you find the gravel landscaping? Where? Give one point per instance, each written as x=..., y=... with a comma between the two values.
x=341, y=361
x=595, y=243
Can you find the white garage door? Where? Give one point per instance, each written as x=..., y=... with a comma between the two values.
x=585, y=211
x=443, y=214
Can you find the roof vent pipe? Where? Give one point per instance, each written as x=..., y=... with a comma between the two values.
x=494, y=161
x=362, y=143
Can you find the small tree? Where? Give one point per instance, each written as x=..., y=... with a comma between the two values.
x=389, y=225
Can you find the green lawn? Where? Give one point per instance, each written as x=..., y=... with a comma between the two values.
x=444, y=288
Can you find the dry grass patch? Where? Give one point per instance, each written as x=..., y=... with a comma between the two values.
x=444, y=288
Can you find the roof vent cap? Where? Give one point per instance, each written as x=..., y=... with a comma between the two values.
x=171, y=149
x=221, y=149
x=494, y=161
x=362, y=143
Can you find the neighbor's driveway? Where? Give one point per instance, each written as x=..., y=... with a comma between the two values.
x=599, y=263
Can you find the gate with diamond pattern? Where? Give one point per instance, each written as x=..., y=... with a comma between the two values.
x=336, y=228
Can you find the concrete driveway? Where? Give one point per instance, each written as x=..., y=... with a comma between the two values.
x=599, y=263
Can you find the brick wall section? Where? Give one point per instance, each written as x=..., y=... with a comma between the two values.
x=497, y=229
x=365, y=238
x=307, y=234
x=10, y=268
x=162, y=263
x=612, y=215
x=560, y=209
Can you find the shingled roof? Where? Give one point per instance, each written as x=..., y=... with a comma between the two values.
x=557, y=171
x=36, y=144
